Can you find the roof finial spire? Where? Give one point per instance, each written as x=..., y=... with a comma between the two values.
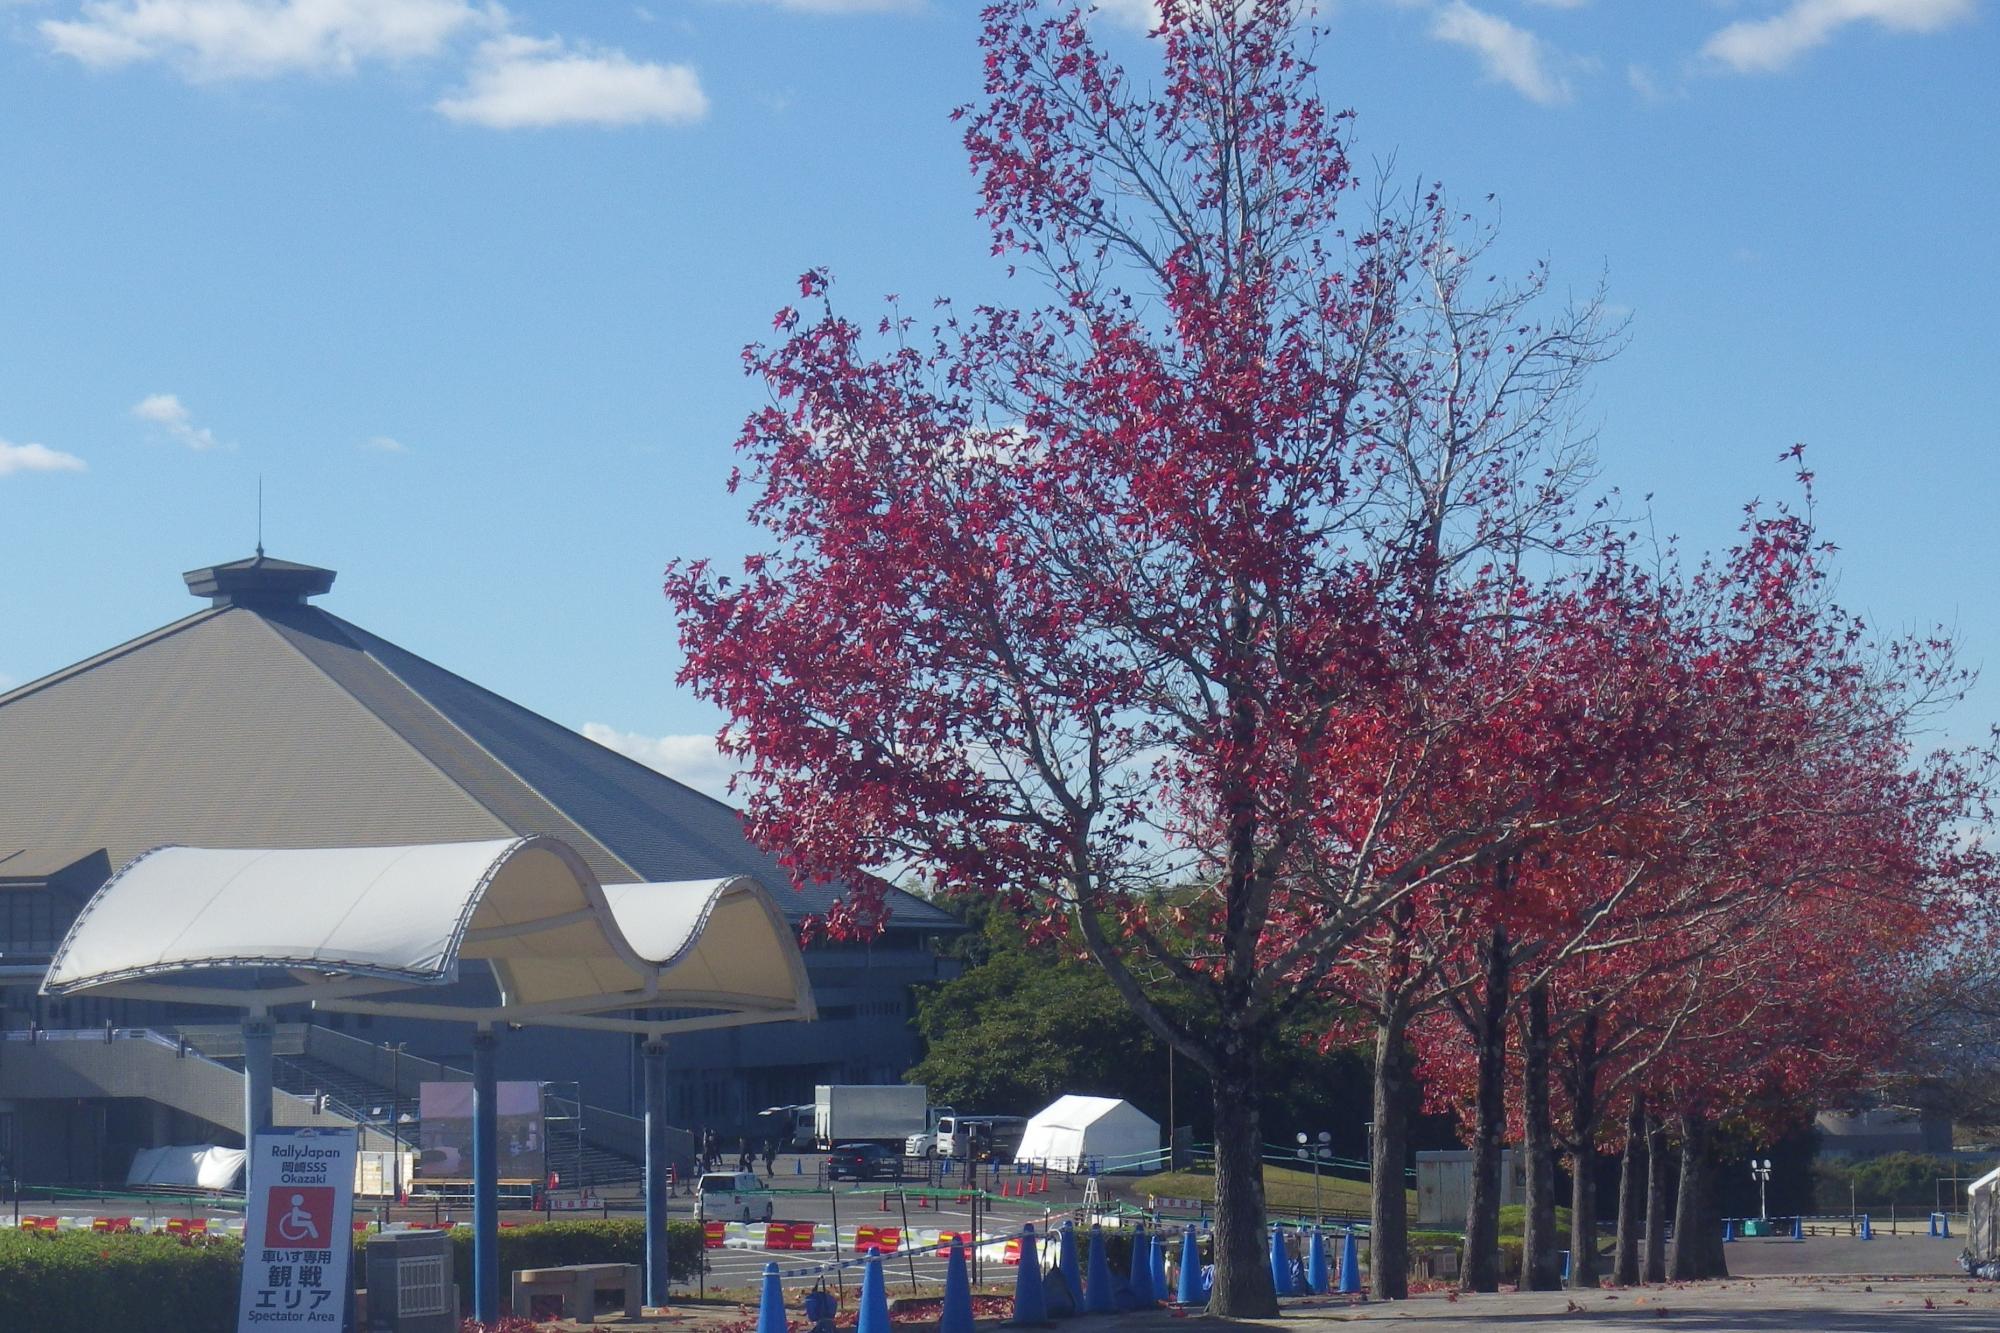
x=260, y=516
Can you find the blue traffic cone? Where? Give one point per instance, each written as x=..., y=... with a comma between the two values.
x=1728, y=1231
x=1350, y=1267
x=1798, y=1228
x=1099, y=1292
x=1188, y=1290
x=1066, y=1265
x=1030, y=1305
x=1161, y=1291
x=1143, y=1295
x=957, y=1314
x=1867, y=1228
x=771, y=1303
x=874, y=1317
x=1318, y=1278
x=1281, y=1265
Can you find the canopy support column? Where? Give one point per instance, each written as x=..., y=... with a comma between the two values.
x=485, y=1179
x=258, y=1029
x=657, y=1166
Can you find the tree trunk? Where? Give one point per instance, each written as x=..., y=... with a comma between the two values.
x=1388, y=1203
x=1625, y=1268
x=1541, y=1264
x=1242, y=1256
x=1657, y=1167
x=1583, y=1169
x=1697, y=1230
x=1480, y=1267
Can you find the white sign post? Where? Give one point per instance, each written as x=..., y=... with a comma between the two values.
x=298, y=1230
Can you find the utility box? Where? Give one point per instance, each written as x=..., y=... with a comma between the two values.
x=1444, y=1185
x=411, y=1286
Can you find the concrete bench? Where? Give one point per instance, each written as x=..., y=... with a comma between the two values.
x=576, y=1286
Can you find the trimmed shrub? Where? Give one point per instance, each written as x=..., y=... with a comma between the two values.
x=134, y=1284
x=620, y=1240
x=157, y=1284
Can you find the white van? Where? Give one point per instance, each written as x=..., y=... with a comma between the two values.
x=731, y=1196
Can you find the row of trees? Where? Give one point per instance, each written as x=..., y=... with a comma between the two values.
x=1259, y=558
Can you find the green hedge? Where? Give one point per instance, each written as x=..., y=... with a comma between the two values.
x=131, y=1284
x=156, y=1284
x=619, y=1240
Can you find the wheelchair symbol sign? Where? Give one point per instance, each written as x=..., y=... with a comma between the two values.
x=298, y=1217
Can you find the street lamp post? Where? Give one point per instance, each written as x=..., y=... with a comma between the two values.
x=395, y=1123
x=1309, y=1151
x=1761, y=1173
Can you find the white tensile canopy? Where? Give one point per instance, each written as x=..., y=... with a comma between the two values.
x=344, y=927
x=385, y=929
x=1075, y=1133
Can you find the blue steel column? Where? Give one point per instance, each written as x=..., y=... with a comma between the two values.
x=257, y=1031
x=656, y=1173
x=485, y=1181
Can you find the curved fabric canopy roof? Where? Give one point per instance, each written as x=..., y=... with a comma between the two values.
x=254, y=928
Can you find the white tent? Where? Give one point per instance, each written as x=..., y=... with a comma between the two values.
x=199, y=1166
x=1076, y=1133
x=1983, y=1239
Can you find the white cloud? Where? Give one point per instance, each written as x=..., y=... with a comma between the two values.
x=1761, y=45
x=384, y=444
x=36, y=458
x=1559, y=4
x=525, y=82
x=1509, y=53
x=233, y=39
x=166, y=411
x=693, y=760
x=1143, y=15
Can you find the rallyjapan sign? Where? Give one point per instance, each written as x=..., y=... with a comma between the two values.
x=297, y=1221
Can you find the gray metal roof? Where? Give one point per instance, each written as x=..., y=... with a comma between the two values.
x=267, y=723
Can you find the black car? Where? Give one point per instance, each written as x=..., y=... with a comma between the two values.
x=863, y=1161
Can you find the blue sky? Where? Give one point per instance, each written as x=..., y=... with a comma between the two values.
x=466, y=285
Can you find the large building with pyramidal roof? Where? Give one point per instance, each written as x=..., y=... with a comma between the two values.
x=263, y=720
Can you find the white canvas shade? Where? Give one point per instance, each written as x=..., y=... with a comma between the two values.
x=349, y=928
x=320, y=922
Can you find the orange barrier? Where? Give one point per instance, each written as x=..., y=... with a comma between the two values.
x=40, y=1223
x=1011, y=1252
x=888, y=1240
x=116, y=1226
x=788, y=1235
x=711, y=1235
x=187, y=1227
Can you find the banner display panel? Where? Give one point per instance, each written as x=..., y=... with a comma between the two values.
x=445, y=1143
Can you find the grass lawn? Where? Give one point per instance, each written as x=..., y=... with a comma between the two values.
x=1285, y=1190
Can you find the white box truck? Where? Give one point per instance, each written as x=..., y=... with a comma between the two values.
x=886, y=1113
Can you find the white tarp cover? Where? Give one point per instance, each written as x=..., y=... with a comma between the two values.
x=400, y=914
x=1074, y=1131
x=195, y=1166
